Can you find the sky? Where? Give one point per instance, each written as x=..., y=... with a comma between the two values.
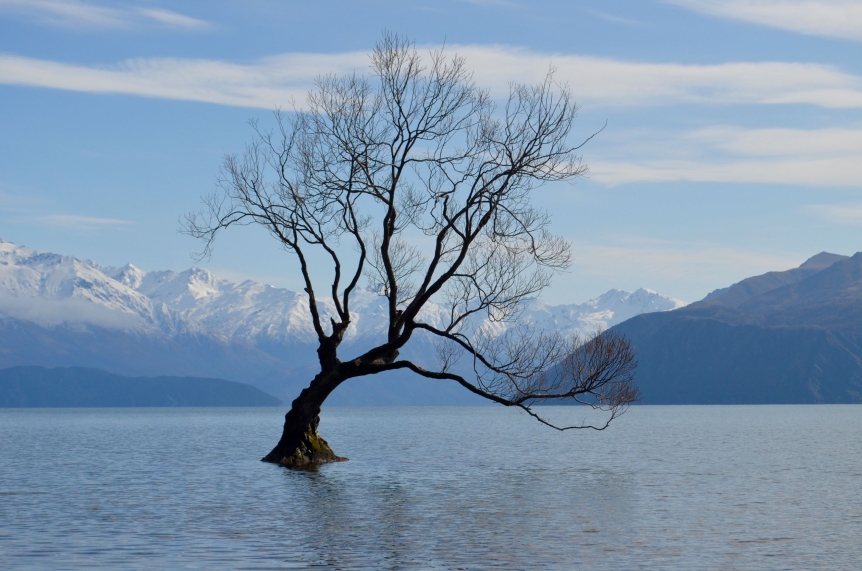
x=733, y=143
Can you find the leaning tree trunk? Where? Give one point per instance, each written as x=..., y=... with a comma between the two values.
x=300, y=445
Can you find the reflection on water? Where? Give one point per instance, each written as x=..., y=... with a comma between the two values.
x=434, y=488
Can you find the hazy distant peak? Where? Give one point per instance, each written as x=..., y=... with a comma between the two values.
x=612, y=293
x=52, y=290
x=822, y=261
x=182, y=290
x=612, y=307
x=129, y=276
x=639, y=297
x=250, y=313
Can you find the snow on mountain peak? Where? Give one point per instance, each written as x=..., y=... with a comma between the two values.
x=51, y=289
x=129, y=276
x=183, y=291
x=610, y=308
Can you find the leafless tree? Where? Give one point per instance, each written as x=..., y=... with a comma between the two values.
x=430, y=183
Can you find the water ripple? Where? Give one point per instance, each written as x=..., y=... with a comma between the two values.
x=433, y=488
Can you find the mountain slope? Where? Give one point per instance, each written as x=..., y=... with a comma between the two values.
x=264, y=316
x=749, y=288
x=22, y=387
x=60, y=311
x=50, y=290
x=797, y=342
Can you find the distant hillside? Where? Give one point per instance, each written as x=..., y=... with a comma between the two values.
x=783, y=337
x=59, y=311
x=28, y=387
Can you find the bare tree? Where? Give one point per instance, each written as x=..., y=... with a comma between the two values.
x=430, y=183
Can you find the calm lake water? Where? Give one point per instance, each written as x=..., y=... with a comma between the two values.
x=746, y=487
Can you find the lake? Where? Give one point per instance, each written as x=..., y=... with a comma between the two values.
x=684, y=487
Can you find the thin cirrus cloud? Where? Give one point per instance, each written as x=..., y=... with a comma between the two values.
x=275, y=81
x=73, y=13
x=829, y=18
x=836, y=142
x=71, y=221
x=268, y=83
x=493, y=3
x=840, y=213
x=823, y=172
x=613, y=18
x=698, y=262
x=815, y=157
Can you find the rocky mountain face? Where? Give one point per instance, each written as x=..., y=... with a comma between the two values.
x=62, y=311
x=782, y=337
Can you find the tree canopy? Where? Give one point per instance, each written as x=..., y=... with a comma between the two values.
x=415, y=180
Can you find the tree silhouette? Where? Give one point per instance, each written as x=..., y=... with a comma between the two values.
x=415, y=179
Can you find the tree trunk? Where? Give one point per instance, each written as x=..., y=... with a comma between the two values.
x=300, y=445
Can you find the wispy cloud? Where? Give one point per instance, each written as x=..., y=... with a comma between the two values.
x=53, y=312
x=267, y=83
x=830, y=18
x=498, y=3
x=814, y=173
x=840, y=213
x=606, y=81
x=276, y=80
x=79, y=222
x=703, y=263
x=74, y=13
x=818, y=157
x=784, y=142
x=14, y=199
x=169, y=18
x=613, y=18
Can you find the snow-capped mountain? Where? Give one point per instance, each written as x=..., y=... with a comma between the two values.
x=255, y=313
x=49, y=289
x=610, y=308
x=127, y=320
x=61, y=311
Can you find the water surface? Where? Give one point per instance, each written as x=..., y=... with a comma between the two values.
x=745, y=487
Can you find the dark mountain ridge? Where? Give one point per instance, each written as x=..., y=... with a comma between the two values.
x=27, y=387
x=24, y=343
x=783, y=337
x=740, y=292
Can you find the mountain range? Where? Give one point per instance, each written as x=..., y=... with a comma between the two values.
x=26, y=387
x=781, y=337
x=60, y=311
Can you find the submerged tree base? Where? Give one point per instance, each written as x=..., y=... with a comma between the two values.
x=307, y=451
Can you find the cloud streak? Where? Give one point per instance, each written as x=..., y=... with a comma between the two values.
x=841, y=213
x=639, y=259
x=277, y=80
x=814, y=173
x=829, y=18
x=73, y=13
x=79, y=222
x=817, y=157
x=54, y=312
x=267, y=83
x=613, y=18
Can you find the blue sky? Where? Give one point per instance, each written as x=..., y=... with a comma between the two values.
x=733, y=143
